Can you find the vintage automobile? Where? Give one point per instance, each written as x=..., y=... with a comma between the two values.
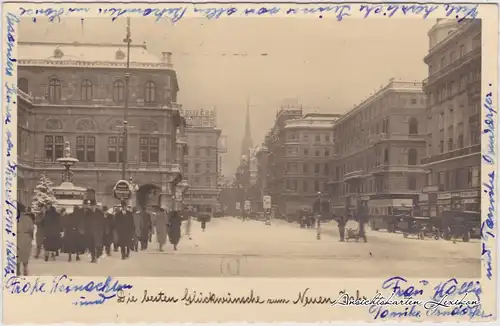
x=386, y=213
x=461, y=225
x=414, y=226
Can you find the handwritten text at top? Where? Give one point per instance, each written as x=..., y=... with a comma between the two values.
x=458, y=11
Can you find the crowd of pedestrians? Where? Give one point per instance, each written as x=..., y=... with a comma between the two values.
x=94, y=229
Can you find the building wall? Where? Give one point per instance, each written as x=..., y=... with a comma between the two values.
x=453, y=113
x=94, y=123
x=201, y=167
x=378, y=146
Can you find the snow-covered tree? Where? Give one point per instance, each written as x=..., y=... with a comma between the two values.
x=44, y=194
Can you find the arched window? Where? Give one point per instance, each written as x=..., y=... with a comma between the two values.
x=149, y=92
x=386, y=156
x=412, y=156
x=22, y=84
x=54, y=90
x=53, y=124
x=87, y=90
x=413, y=126
x=118, y=90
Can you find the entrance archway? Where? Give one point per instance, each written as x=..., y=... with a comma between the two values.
x=148, y=195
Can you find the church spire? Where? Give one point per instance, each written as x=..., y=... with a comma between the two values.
x=247, y=142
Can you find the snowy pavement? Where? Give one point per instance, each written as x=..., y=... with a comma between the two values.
x=231, y=247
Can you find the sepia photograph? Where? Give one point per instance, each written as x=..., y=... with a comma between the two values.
x=284, y=147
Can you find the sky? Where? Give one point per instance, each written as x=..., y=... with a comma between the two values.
x=328, y=66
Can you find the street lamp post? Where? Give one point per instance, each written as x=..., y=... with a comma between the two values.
x=318, y=229
x=127, y=40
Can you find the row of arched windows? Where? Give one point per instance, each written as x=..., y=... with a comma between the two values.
x=54, y=93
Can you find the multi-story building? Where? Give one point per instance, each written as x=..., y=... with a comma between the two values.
x=377, y=150
x=293, y=161
x=76, y=92
x=308, y=152
x=452, y=117
x=201, y=162
x=275, y=143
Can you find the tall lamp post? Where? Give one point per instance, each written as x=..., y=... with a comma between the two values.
x=127, y=40
x=318, y=216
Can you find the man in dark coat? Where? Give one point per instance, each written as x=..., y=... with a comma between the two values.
x=145, y=227
x=91, y=229
x=51, y=224
x=174, y=228
x=108, y=232
x=74, y=237
x=341, y=224
x=124, y=225
x=98, y=227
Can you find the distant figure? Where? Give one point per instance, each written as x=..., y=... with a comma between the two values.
x=362, y=216
x=25, y=230
x=188, y=225
x=137, y=229
x=341, y=224
x=51, y=225
x=174, y=228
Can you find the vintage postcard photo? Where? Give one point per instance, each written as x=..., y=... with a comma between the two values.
x=249, y=162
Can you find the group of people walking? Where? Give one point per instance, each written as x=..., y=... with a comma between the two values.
x=94, y=229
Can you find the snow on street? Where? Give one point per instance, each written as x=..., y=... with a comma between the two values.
x=231, y=247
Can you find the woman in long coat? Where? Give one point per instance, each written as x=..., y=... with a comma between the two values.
x=51, y=225
x=25, y=230
x=161, y=221
x=174, y=228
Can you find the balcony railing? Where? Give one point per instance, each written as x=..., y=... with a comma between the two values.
x=132, y=165
x=395, y=137
x=354, y=175
x=448, y=68
x=398, y=168
x=453, y=154
x=96, y=102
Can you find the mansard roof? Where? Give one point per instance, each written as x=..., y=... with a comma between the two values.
x=96, y=55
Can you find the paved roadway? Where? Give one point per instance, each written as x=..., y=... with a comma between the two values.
x=230, y=247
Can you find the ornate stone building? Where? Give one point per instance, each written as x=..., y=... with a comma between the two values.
x=452, y=118
x=75, y=92
x=201, y=162
x=377, y=148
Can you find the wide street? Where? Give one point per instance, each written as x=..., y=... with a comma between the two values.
x=231, y=247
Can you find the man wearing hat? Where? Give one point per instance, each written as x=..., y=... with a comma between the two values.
x=124, y=225
x=92, y=223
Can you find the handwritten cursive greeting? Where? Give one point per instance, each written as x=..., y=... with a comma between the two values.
x=65, y=285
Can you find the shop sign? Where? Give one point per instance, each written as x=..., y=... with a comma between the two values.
x=247, y=205
x=444, y=202
x=238, y=206
x=430, y=189
x=122, y=190
x=266, y=202
x=465, y=194
x=470, y=201
x=423, y=197
x=364, y=198
x=444, y=196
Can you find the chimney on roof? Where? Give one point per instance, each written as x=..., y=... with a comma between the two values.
x=167, y=57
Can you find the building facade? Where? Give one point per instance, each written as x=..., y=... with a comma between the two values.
x=275, y=143
x=377, y=150
x=76, y=92
x=452, y=118
x=201, y=162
